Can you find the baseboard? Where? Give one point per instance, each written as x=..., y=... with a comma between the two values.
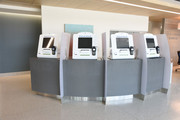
x=14, y=73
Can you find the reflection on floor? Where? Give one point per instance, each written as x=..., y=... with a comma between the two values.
x=17, y=102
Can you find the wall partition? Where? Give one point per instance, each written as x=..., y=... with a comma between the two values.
x=19, y=35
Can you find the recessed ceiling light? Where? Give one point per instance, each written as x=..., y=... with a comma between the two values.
x=140, y=6
x=9, y=9
x=20, y=14
x=19, y=8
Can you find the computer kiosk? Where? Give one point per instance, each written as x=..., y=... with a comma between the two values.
x=48, y=46
x=151, y=44
x=46, y=67
x=83, y=75
x=122, y=70
x=84, y=46
x=148, y=49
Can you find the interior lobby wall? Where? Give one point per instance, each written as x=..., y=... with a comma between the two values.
x=54, y=18
x=170, y=29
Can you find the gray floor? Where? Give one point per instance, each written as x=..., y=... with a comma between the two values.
x=17, y=102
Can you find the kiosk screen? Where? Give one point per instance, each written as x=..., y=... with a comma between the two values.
x=48, y=42
x=84, y=42
x=122, y=42
x=150, y=42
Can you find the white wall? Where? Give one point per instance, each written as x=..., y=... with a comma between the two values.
x=54, y=18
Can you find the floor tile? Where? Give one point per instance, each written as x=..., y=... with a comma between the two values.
x=18, y=102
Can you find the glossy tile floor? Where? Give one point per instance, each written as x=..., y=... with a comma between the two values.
x=17, y=102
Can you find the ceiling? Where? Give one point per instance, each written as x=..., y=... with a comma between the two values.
x=168, y=3
x=101, y=5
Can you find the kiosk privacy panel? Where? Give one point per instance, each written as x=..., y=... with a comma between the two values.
x=122, y=46
x=84, y=46
x=165, y=52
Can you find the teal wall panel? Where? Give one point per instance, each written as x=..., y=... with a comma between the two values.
x=76, y=28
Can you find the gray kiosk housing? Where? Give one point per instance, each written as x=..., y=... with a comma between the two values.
x=45, y=75
x=83, y=78
x=153, y=69
x=122, y=76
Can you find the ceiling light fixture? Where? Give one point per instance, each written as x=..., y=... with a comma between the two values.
x=20, y=14
x=11, y=7
x=140, y=6
x=19, y=10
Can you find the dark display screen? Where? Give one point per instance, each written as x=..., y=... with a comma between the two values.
x=150, y=42
x=122, y=42
x=48, y=43
x=84, y=42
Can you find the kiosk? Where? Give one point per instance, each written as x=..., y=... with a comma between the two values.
x=45, y=72
x=153, y=64
x=48, y=46
x=122, y=70
x=87, y=78
x=83, y=75
x=84, y=46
